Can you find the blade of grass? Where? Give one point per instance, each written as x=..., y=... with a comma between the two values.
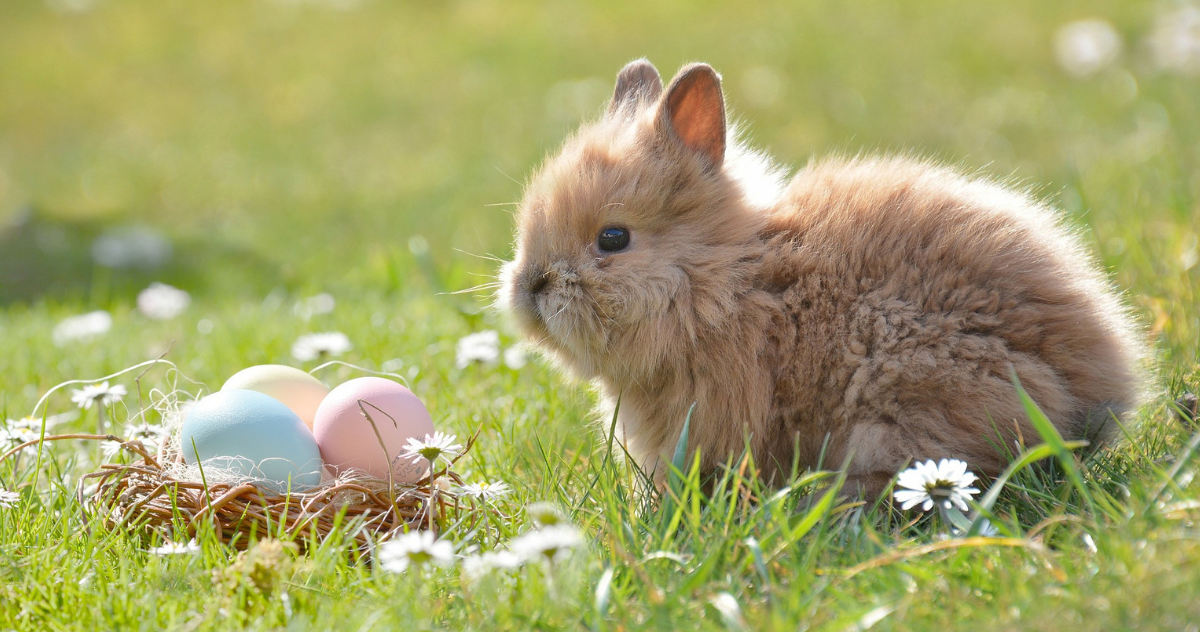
x=801, y=526
x=681, y=445
x=612, y=431
x=1051, y=437
x=675, y=474
x=1030, y=456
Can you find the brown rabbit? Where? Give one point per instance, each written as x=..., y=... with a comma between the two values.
x=873, y=307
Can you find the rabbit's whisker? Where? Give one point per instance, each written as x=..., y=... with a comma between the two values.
x=472, y=290
x=485, y=257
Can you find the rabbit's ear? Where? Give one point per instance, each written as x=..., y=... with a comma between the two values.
x=694, y=111
x=637, y=80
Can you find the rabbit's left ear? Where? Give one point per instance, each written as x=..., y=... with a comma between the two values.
x=694, y=112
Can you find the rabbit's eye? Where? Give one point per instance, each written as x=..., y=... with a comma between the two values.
x=613, y=239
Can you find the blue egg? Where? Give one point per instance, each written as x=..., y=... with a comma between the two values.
x=254, y=435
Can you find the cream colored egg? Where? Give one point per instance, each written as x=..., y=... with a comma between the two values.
x=299, y=391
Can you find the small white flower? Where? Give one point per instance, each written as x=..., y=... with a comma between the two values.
x=14, y=436
x=162, y=302
x=414, y=548
x=485, y=491
x=173, y=548
x=550, y=543
x=82, y=327
x=314, y=346
x=1086, y=47
x=986, y=530
x=439, y=445
x=34, y=425
x=110, y=449
x=100, y=394
x=515, y=357
x=483, y=346
x=146, y=430
x=322, y=303
x=8, y=499
x=945, y=482
x=475, y=567
x=71, y=6
x=25, y=429
x=726, y=605
x=131, y=246
x=1175, y=42
x=544, y=514
x=17, y=431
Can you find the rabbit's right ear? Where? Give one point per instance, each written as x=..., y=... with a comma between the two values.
x=639, y=79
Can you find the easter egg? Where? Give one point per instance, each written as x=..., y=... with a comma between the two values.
x=349, y=441
x=297, y=390
x=251, y=435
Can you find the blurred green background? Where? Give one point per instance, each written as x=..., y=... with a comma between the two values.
x=303, y=166
x=311, y=146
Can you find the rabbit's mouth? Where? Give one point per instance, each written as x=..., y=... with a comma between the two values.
x=559, y=309
x=553, y=308
x=530, y=297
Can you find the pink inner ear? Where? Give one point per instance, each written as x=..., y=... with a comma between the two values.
x=697, y=113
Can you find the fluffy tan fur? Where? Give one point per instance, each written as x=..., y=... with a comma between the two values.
x=873, y=306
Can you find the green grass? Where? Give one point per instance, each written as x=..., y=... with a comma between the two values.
x=287, y=148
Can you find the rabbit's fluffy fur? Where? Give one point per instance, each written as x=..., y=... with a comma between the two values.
x=872, y=307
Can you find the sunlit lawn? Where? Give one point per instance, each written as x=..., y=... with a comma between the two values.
x=370, y=150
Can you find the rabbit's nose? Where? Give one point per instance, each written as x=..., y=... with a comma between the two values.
x=537, y=281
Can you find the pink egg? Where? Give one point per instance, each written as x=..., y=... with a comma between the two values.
x=347, y=439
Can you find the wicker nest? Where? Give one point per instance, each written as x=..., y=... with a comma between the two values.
x=144, y=494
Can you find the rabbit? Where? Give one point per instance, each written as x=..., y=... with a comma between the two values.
x=872, y=308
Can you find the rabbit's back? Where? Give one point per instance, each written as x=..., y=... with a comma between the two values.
x=907, y=291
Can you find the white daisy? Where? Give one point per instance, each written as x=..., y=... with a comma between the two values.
x=82, y=327
x=15, y=435
x=550, y=543
x=1085, y=47
x=146, y=430
x=544, y=514
x=173, y=548
x=130, y=246
x=25, y=429
x=8, y=499
x=475, y=567
x=322, y=303
x=515, y=357
x=100, y=394
x=34, y=424
x=110, y=449
x=9, y=436
x=483, y=346
x=485, y=491
x=945, y=482
x=1175, y=42
x=986, y=529
x=726, y=605
x=151, y=436
x=439, y=445
x=162, y=302
x=322, y=345
x=414, y=548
